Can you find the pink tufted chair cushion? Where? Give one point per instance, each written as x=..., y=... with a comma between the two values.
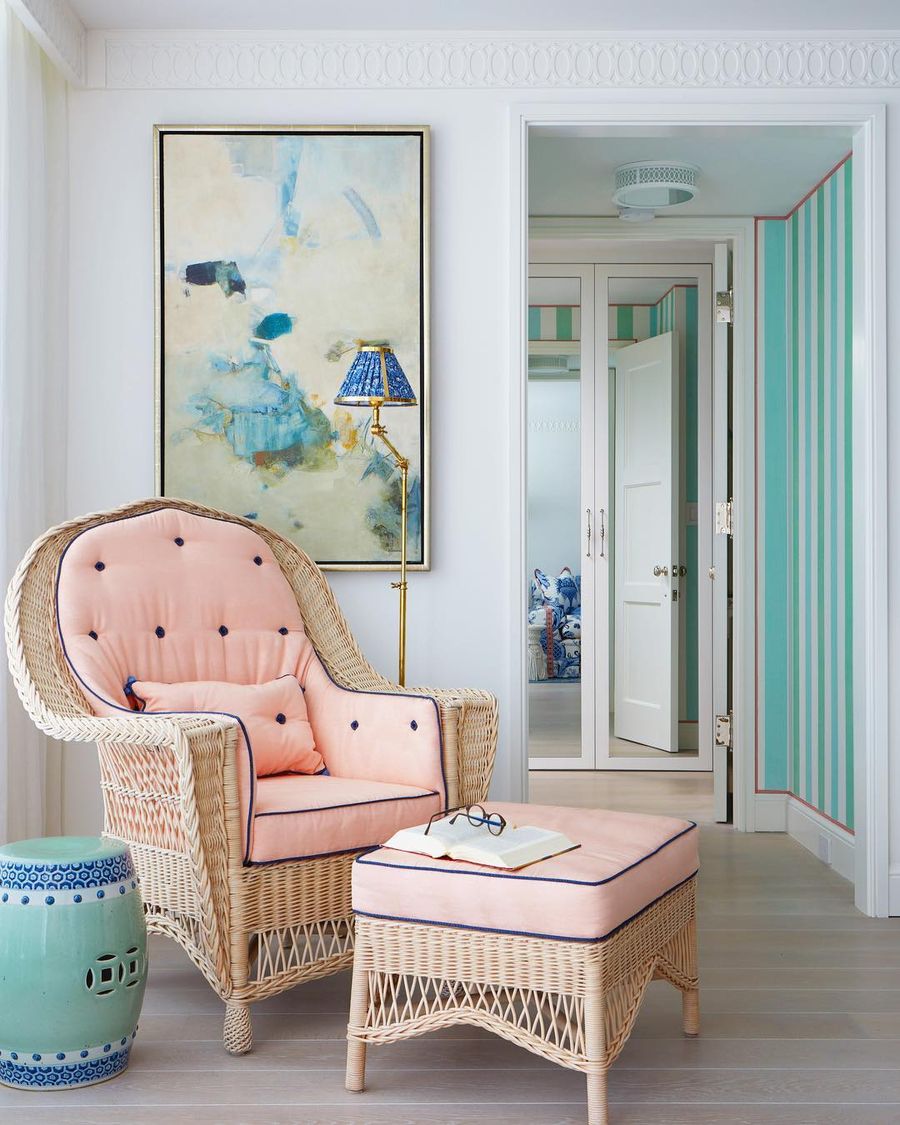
x=170, y=596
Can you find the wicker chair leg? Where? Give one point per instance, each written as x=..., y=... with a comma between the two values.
x=238, y=1035
x=355, y=1080
x=690, y=1011
x=596, y=1098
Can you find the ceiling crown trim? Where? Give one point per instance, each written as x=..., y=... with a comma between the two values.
x=196, y=60
x=60, y=32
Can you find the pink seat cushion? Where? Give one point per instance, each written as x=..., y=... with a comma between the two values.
x=173, y=597
x=626, y=861
x=298, y=817
x=273, y=717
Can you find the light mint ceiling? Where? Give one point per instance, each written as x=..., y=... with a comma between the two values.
x=743, y=171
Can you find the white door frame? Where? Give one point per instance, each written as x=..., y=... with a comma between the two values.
x=870, y=516
x=587, y=422
x=702, y=273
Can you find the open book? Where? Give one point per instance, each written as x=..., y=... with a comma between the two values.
x=512, y=849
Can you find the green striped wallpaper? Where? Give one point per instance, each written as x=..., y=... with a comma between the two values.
x=805, y=501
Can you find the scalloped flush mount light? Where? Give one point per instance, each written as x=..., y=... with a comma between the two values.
x=647, y=186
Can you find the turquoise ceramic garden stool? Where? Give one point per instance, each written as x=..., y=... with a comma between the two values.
x=73, y=961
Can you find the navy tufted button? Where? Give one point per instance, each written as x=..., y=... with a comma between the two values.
x=60, y=1054
x=223, y=630
x=414, y=725
x=257, y=560
x=160, y=631
x=283, y=631
x=279, y=718
x=179, y=542
x=92, y=634
x=354, y=725
x=99, y=566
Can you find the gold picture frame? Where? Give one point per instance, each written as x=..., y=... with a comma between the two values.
x=214, y=186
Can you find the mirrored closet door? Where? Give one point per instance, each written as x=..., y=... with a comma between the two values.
x=564, y=533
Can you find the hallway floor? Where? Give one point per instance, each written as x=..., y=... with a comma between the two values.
x=800, y=1001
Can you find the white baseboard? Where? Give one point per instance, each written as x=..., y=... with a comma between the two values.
x=827, y=841
x=894, y=892
x=770, y=812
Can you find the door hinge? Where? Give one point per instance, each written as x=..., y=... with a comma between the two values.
x=725, y=517
x=725, y=306
x=723, y=730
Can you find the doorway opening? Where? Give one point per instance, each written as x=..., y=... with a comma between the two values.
x=805, y=343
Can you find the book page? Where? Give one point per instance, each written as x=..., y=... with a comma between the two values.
x=439, y=840
x=514, y=848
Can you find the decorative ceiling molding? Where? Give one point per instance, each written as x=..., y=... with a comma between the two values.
x=200, y=60
x=59, y=31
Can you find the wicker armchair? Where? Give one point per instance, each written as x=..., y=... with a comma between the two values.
x=170, y=788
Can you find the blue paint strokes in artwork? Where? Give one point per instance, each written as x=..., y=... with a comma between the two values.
x=383, y=518
x=224, y=274
x=360, y=206
x=261, y=412
x=273, y=326
x=288, y=160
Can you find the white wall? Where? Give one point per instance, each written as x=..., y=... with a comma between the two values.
x=111, y=360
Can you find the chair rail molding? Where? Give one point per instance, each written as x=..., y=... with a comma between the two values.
x=60, y=32
x=527, y=60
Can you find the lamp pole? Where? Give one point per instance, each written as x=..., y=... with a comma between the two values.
x=402, y=463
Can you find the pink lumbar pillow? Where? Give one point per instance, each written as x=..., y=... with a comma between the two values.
x=273, y=715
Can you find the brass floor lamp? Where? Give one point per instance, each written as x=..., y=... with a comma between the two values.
x=376, y=379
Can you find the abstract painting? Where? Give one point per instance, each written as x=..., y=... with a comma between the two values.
x=278, y=249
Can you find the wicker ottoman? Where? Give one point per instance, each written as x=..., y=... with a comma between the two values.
x=555, y=957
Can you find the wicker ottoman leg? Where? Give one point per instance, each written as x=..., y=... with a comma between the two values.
x=238, y=1029
x=595, y=1046
x=690, y=1011
x=356, y=1047
x=596, y=1098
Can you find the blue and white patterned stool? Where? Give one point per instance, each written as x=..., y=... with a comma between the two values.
x=73, y=961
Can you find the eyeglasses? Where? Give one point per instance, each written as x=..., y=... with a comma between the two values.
x=475, y=815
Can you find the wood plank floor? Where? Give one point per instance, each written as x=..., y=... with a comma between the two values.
x=800, y=998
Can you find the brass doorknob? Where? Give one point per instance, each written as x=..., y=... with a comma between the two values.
x=660, y=570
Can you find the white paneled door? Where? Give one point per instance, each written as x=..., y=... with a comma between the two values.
x=647, y=543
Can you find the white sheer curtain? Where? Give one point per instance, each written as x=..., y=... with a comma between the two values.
x=33, y=342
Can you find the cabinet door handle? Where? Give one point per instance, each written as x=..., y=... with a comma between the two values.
x=588, y=532
x=602, y=533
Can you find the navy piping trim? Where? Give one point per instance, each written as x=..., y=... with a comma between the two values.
x=535, y=878
x=401, y=695
x=127, y=710
x=527, y=933
x=361, y=849
x=349, y=804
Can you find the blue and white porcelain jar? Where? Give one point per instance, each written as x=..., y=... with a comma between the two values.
x=73, y=961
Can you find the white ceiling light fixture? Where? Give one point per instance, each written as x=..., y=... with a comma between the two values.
x=647, y=186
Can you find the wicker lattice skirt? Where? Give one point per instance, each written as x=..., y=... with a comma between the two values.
x=569, y=1001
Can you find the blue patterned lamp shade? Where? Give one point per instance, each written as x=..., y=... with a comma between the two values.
x=375, y=378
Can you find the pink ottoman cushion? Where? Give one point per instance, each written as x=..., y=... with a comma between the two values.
x=626, y=861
